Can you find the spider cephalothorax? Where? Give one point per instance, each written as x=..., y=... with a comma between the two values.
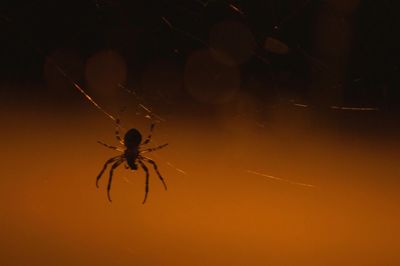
x=132, y=156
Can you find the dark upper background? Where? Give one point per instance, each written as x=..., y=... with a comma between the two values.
x=368, y=73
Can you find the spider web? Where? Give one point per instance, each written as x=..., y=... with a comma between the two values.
x=141, y=104
x=148, y=113
x=146, y=110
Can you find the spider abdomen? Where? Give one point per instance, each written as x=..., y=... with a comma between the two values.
x=131, y=157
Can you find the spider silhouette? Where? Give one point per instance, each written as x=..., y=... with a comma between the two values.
x=132, y=156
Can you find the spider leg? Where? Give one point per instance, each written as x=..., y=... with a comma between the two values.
x=104, y=168
x=150, y=134
x=146, y=170
x=109, y=146
x=154, y=149
x=115, y=165
x=117, y=133
x=153, y=163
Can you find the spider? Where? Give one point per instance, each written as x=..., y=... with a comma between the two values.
x=132, y=156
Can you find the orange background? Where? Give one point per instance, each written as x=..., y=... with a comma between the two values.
x=216, y=213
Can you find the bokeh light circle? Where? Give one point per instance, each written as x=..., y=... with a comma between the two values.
x=104, y=71
x=209, y=81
